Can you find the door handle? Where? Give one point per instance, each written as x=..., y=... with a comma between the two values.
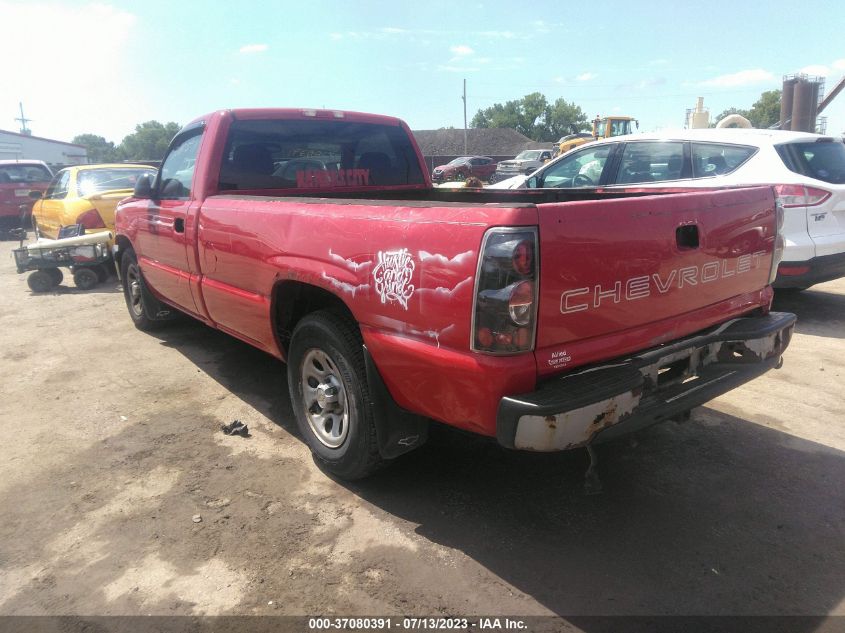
x=179, y=225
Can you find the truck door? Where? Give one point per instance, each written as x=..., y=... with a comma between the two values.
x=162, y=243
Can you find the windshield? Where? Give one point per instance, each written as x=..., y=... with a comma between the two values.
x=24, y=173
x=823, y=160
x=457, y=161
x=90, y=181
x=531, y=154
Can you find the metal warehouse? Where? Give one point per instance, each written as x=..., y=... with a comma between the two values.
x=23, y=146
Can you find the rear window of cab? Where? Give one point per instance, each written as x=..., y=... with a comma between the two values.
x=317, y=154
x=823, y=159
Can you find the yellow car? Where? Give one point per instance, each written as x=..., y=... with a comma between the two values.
x=86, y=195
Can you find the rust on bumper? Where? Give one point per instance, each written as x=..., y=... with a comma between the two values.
x=599, y=403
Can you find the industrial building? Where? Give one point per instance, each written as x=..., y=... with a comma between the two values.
x=55, y=153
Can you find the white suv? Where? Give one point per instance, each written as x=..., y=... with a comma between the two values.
x=806, y=170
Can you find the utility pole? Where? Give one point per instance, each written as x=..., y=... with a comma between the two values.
x=465, y=117
x=25, y=130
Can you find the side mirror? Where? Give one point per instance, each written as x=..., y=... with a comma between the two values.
x=36, y=195
x=144, y=187
x=532, y=183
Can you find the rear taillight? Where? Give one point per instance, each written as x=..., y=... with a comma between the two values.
x=91, y=220
x=777, y=253
x=505, y=307
x=800, y=195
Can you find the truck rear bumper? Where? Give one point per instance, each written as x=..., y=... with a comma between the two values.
x=610, y=400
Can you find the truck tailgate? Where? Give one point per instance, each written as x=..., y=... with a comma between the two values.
x=626, y=274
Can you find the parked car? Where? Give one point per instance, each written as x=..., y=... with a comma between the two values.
x=461, y=168
x=524, y=163
x=525, y=316
x=86, y=195
x=806, y=170
x=18, y=178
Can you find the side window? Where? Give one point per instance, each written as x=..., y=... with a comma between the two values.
x=177, y=170
x=650, y=162
x=711, y=159
x=58, y=188
x=578, y=169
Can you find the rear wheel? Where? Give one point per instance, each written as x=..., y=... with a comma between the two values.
x=56, y=275
x=39, y=281
x=329, y=392
x=85, y=278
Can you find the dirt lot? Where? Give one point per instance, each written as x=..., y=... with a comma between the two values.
x=112, y=445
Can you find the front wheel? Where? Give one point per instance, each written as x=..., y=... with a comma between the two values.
x=329, y=393
x=146, y=312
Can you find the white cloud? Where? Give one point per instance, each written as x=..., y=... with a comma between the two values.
x=586, y=76
x=461, y=50
x=741, y=78
x=253, y=48
x=839, y=64
x=393, y=30
x=65, y=88
x=816, y=69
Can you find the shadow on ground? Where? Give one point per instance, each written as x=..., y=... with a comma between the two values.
x=820, y=313
x=716, y=516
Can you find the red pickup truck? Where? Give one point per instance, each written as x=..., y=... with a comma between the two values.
x=547, y=319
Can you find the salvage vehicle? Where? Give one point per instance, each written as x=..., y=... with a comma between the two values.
x=18, y=179
x=86, y=195
x=806, y=170
x=524, y=163
x=548, y=319
x=482, y=167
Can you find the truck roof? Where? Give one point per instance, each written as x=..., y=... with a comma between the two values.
x=303, y=113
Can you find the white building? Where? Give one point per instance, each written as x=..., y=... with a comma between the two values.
x=19, y=146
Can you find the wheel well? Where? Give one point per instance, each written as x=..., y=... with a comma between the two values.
x=292, y=300
x=123, y=245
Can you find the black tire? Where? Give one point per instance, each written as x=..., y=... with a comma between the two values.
x=326, y=352
x=102, y=272
x=40, y=281
x=460, y=176
x=56, y=275
x=147, y=312
x=85, y=278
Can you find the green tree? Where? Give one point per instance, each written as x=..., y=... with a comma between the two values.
x=149, y=141
x=533, y=116
x=99, y=149
x=764, y=113
x=766, y=110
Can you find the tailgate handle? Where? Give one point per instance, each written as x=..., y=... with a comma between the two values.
x=687, y=236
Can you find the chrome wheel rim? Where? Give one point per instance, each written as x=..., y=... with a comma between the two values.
x=133, y=285
x=324, y=398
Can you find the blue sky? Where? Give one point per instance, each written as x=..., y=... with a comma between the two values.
x=104, y=67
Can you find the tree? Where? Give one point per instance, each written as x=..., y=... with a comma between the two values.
x=766, y=110
x=533, y=116
x=764, y=113
x=98, y=148
x=148, y=142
